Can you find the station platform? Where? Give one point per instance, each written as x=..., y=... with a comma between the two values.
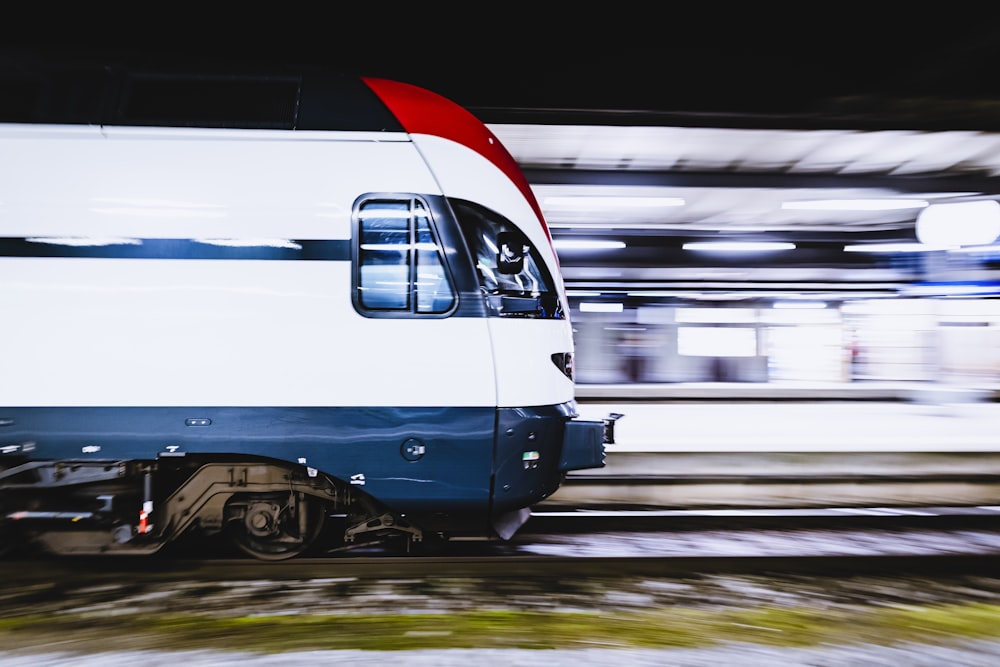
x=747, y=417
x=711, y=446
x=914, y=392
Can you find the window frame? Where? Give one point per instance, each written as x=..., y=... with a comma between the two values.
x=412, y=294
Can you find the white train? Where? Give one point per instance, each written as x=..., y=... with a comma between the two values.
x=252, y=301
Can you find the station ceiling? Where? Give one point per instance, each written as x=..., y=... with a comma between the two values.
x=679, y=183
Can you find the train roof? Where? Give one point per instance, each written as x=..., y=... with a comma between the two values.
x=129, y=91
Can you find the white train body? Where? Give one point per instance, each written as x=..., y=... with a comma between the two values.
x=215, y=332
x=329, y=302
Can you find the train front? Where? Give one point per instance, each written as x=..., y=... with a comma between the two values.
x=538, y=436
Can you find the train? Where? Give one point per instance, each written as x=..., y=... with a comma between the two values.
x=258, y=302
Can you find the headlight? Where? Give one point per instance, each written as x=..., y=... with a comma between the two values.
x=564, y=362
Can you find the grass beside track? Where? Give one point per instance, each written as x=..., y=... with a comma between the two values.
x=659, y=628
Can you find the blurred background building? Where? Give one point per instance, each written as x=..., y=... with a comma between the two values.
x=814, y=341
x=778, y=251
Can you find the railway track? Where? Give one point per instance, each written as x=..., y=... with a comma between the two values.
x=605, y=543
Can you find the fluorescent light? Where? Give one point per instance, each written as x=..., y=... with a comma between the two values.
x=887, y=204
x=659, y=293
x=952, y=289
x=892, y=247
x=596, y=307
x=739, y=246
x=581, y=244
x=959, y=223
x=612, y=202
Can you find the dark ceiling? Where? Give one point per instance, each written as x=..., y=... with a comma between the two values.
x=670, y=57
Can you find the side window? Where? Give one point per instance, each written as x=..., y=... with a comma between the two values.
x=400, y=268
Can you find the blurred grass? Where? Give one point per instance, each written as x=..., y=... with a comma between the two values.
x=657, y=628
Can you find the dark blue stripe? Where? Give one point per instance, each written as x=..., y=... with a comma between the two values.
x=340, y=441
x=463, y=466
x=293, y=249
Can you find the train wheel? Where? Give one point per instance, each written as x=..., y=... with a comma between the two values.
x=277, y=527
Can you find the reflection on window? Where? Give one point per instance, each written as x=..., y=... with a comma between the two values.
x=400, y=265
x=434, y=294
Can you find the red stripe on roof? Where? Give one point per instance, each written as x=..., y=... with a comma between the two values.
x=420, y=111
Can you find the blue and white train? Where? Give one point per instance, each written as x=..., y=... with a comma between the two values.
x=251, y=301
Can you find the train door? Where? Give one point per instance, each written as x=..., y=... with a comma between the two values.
x=430, y=359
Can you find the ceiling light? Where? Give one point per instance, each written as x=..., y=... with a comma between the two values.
x=611, y=202
x=959, y=223
x=887, y=204
x=952, y=289
x=739, y=246
x=659, y=293
x=596, y=307
x=581, y=244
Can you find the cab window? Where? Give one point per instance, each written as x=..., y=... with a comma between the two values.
x=512, y=274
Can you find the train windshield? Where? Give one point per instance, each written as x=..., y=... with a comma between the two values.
x=511, y=272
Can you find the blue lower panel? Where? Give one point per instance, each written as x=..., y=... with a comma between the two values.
x=415, y=460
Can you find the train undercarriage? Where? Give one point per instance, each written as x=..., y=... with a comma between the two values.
x=269, y=510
